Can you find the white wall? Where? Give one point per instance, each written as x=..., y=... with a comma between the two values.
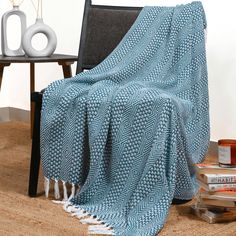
x=65, y=19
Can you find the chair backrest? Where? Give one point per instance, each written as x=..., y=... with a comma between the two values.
x=103, y=28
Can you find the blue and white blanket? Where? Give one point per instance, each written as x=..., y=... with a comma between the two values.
x=129, y=131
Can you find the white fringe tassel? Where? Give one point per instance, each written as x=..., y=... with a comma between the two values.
x=66, y=200
x=91, y=220
x=70, y=208
x=80, y=215
x=56, y=190
x=97, y=226
x=46, y=186
x=100, y=229
x=58, y=202
x=72, y=192
x=65, y=196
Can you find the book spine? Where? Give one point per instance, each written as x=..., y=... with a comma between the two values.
x=217, y=187
x=220, y=179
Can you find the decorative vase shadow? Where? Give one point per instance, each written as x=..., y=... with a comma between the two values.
x=6, y=51
x=39, y=27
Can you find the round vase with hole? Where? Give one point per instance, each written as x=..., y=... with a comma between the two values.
x=39, y=27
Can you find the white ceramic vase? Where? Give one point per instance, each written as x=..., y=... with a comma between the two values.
x=6, y=51
x=39, y=27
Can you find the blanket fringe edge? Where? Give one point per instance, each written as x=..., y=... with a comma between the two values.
x=96, y=225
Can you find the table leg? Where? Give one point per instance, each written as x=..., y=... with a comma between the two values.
x=32, y=89
x=1, y=71
x=66, y=66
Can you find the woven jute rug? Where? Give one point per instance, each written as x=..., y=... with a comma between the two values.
x=21, y=215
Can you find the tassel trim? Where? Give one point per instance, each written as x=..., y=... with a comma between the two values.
x=56, y=190
x=65, y=195
x=72, y=192
x=46, y=186
x=97, y=226
x=91, y=220
x=100, y=229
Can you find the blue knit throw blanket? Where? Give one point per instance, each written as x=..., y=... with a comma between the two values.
x=129, y=131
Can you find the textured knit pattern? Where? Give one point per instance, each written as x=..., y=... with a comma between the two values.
x=130, y=130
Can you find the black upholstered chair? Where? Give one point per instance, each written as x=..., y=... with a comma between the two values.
x=102, y=29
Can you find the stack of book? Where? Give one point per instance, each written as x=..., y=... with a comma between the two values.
x=216, y=200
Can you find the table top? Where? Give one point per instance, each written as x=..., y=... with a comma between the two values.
x=25, y=59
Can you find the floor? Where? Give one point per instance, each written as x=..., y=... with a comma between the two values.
x=21, y=215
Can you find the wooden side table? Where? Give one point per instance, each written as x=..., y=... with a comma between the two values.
x=63, y=60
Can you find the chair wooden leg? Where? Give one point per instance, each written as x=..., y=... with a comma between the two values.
x=66, y=67
x=32, y=89
x=35, y=152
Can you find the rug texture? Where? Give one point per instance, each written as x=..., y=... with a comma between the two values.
x=129, y=131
